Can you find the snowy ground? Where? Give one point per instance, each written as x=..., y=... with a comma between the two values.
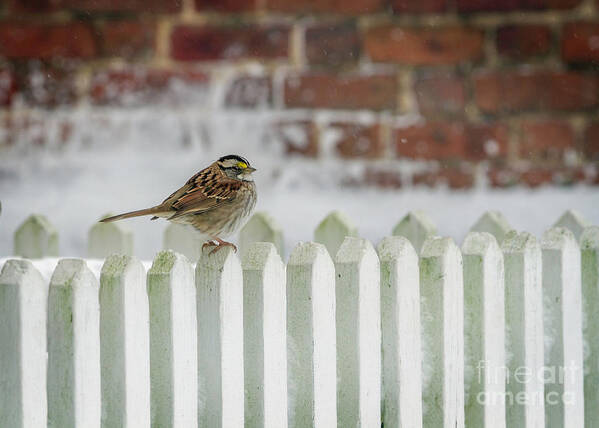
x=113, y=168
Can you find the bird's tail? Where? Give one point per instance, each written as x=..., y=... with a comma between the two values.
x=148, y=211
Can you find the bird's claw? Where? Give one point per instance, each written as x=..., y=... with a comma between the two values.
x=218, y=244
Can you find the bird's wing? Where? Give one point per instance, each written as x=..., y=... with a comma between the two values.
x=204, y=191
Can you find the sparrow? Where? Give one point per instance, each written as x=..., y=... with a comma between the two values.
x=215, y=201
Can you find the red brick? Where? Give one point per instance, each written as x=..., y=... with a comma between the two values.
x=142, y=87
x=432, y=140
x=419, y=6
x=486, y=141
x=546, y=140
x=22, y=40
x=513, y=5
x=31, y=6
x=538, y=176
x=440, y=93
x=524, y=91
x=350, y=7
x=383, y=178
x=226, y=5
x=453, y=177
x=580, y=42
x=320, y=90
x=332, y=44
x=353, y=140
x=156, y=6
x=298, y=137
x=523, y=41
x=47, y=84
x=437, y=140
x=249, y=91
x=591, y=142
x=424, y=46
x=127, y=39
x=8, y=87
x=191, y=43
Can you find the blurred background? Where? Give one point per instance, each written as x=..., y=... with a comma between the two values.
x=372, y=107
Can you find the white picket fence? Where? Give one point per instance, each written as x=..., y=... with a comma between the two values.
x=417, y=333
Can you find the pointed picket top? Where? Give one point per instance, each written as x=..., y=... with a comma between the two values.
x=574, y=221
x=105, y=239
x=416, y=226
x=183, y=239
x=261, y=228
x=36, y=238
x=333, y=230
x=493, y=222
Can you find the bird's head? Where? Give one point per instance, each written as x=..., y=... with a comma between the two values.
x=236, y=167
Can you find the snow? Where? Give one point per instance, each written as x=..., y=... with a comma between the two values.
x=129, y=159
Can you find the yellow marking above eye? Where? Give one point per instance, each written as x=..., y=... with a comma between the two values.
x=242, y=165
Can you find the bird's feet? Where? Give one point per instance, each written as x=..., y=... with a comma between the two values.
x=218, y=244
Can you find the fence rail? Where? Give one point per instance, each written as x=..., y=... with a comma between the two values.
x=500, y=333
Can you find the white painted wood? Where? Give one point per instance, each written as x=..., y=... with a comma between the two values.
x=562, y=313
x=105, y=239
x=219, y=285
x=358, y=323
x=173, y=342
x=183, y=239
x=261, y=228
x=484, y=331
x=332, y=231
x=417, y=227
x=124, y=343
x=311, y=337
x=442, y=314
x=573, y=221
x=401, y=346
x=23, y=313
x=35, y=238
x=524, y=330
x=74, y=396
x=589, y=245
x=494, y=223
x=265, y=337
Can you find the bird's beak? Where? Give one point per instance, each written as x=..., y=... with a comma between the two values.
x=249, y=169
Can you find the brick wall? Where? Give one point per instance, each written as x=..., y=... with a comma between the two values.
x=506, y=89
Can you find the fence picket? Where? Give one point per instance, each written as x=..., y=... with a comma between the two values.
x=35, y=238
x=358, y=322
x=124, y=343
x=589, y=244
x=311, y=339
x=416, y=226
x=105, y=239
x=484, y=319
x=219, y=286
x=23, y=314
x=183, y=239
x=173, y=342
x=261, y=228
x=494, y=223
x=441, y=290
x=74, y=396
x=265, y=337
x=332, y=231
x=573, y=221
x=524, y=330
x=400, y=324
x=562, y=310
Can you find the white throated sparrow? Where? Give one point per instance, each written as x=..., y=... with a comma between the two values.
x=215, y=201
